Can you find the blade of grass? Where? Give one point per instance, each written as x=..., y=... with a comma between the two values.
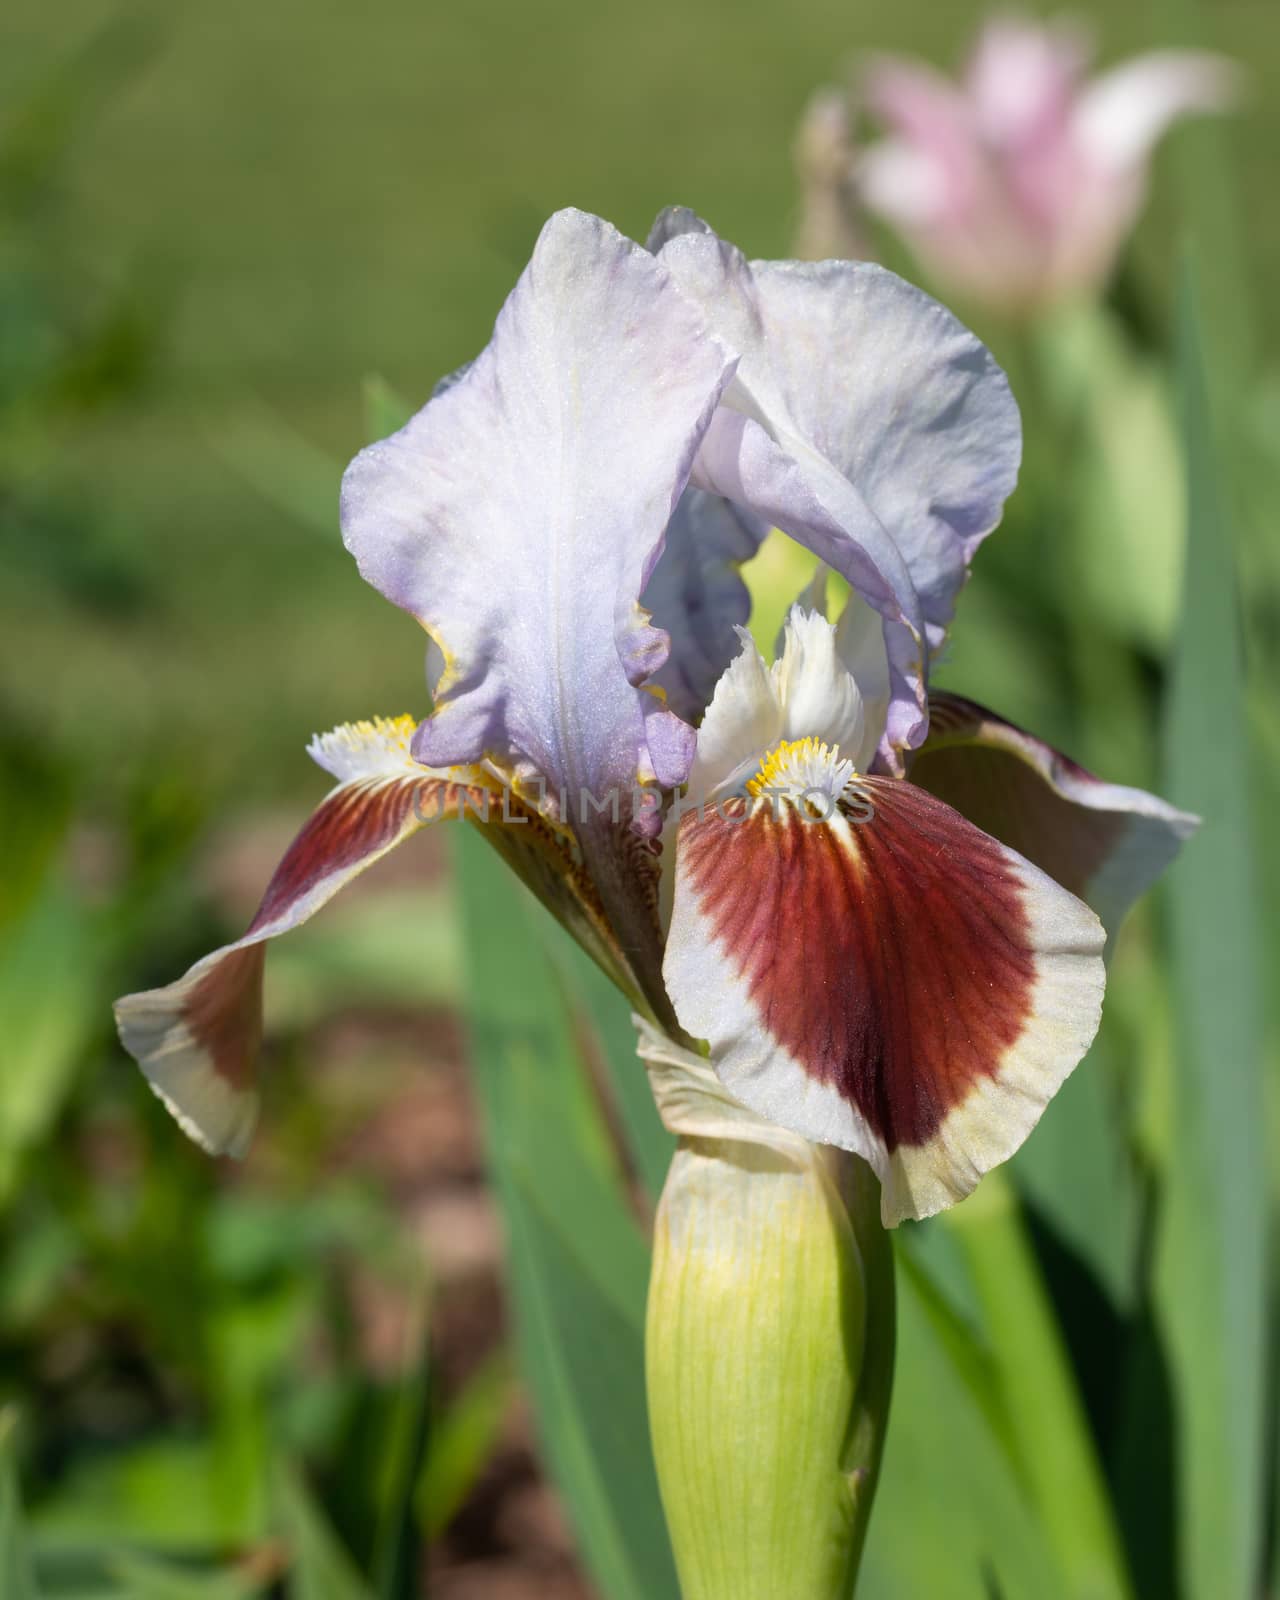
x=1211, y=1258
x=578, y=1267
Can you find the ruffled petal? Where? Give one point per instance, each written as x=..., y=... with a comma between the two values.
x=892, y=981
x=864, y=420
x=197, y=1040
x=519, y=515
x=905, y=402
x=1106, y=843
x=817, y=507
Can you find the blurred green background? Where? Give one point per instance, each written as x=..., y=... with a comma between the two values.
x=228, y=236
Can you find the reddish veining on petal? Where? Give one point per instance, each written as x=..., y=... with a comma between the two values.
x=223, y=1013
x=1003, y=794
x=223, y=1009
x=354, y=823
x=890, y=958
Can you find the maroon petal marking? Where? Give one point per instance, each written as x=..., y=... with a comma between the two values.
x=891, y=957
x=892, y=980
x=1104, y=842
x=197, y=1040
x=223, y=1014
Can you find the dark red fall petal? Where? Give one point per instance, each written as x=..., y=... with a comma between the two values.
x=892, y=981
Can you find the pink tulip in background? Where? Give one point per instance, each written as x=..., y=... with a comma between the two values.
x=1017, y=184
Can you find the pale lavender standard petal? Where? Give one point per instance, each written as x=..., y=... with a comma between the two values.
x=905, y=402
x=865, y=421
x=519, y=514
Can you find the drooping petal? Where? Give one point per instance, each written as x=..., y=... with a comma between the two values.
x=197, y=1040
x=892, y=981
x=696, y=596
x=520, y=513
x=1102, y=841
x=870, y=425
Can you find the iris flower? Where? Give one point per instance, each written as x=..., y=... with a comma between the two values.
x=1017, y=184
x=879, y=908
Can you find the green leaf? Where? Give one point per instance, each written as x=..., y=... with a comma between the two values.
x=17, y=1581
x=50, y=994
x=648, y=1143
x=163, y=1493
x=1077, y=1169
x=952, y=1518
x=460, y=1444
x=578, y=1267
x=141, y=1578
x=320, y=1567
x=1055, y=1449
x=1125, y=550
x=1212, y=1258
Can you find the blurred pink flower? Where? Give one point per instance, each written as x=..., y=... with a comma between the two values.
x=1018, y=184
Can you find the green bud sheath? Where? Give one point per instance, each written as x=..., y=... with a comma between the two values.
x=767, y=1392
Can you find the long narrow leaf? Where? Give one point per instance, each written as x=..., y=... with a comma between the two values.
x=648, y=1143
x=1050, y=1431
x=1212, y=1256
x=952, y=1520
x=578, y=1267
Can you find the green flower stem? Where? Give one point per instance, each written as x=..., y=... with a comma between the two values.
x=768, y=1372
x=1056, y=1450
